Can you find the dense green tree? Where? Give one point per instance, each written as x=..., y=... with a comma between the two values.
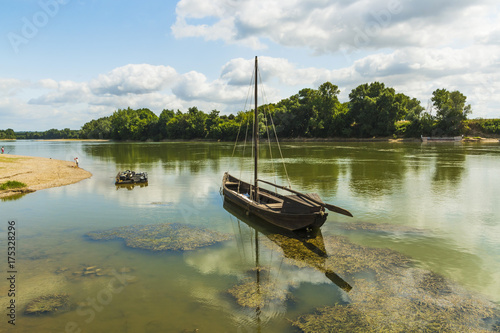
x=297, y=116
x=7, y=134
x=229, y=129
x=136, y=125
x=165, y=116
x=212, y=125
x=190, y=125
x=97, y=129
x=374, y=109
x=327, y=106
x=451, y=111
x=340, y=124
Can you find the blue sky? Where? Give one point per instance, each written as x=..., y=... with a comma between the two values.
x=65, y=62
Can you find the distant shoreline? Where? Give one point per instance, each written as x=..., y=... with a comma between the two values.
x=338, y=139
x=37, y=173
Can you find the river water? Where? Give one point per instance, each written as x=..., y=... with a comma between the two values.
x=435, y=204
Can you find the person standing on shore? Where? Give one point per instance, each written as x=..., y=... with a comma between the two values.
x=3, y=149
x=76, y=162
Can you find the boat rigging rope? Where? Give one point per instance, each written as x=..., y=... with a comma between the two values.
x=275, y=135
x=244, y=108
x=239, y=129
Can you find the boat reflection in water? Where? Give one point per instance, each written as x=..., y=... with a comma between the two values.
x=130, y=187
x=305, y=249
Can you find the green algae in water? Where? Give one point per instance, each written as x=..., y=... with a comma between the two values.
x=340, y=255
x=380, y=309
x=399, y=298
x=162, y=237
x=48, y=304
x=257, y=295
x=252, y=294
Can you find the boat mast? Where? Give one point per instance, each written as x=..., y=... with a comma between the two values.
x=256, y=137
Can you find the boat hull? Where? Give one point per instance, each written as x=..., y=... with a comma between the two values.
x=441, y=139
x=287, y=221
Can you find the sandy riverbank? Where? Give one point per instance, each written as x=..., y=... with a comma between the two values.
x=38, y=173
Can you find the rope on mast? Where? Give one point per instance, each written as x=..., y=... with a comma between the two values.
x=275, y=135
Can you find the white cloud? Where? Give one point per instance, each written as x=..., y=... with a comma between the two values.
x=133, y=78
x=62, y=93
x=333, y=26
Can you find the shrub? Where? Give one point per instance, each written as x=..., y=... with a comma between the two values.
x=12, y=184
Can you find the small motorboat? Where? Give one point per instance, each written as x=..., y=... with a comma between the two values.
x=131, y=177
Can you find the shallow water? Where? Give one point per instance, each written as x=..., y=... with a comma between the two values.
x=435, y=203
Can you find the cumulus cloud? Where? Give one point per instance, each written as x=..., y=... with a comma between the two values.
x=62, y=93
x=134, y=79
x=333, y=26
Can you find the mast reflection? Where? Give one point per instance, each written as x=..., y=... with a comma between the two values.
x=306, y=249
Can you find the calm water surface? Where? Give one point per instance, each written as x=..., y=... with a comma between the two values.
x=435, y=203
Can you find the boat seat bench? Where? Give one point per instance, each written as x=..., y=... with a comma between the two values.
x=271, y=197
x=277, y=205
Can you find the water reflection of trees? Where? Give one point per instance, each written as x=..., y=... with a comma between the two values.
x=449, y=166
x=310, y=166
x=376, y=171
x=374, y=168
x=195, y=156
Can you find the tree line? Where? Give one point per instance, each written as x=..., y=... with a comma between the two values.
x=49, y=134
x=373, y=110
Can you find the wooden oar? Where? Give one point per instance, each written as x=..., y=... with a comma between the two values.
x=333, y=208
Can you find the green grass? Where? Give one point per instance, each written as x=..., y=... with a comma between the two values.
x=9, y=159
x=12, y=184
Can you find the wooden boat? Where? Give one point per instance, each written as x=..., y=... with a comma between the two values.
x=131, y=177
x=441, y=139
x=294, y=212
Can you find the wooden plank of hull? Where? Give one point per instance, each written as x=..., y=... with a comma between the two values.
x=292, y=222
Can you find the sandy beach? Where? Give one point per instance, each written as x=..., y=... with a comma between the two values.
x=38, y=173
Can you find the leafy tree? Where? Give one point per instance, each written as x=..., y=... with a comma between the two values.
x=327, y=105
x=229, y=129
x=165, y=116
x=451, y=111
x=133, y=124
x=188, y=125
x=212, y=124
x=340, y=125
x=7, y=134
x=374, y=109
x=97, y=129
